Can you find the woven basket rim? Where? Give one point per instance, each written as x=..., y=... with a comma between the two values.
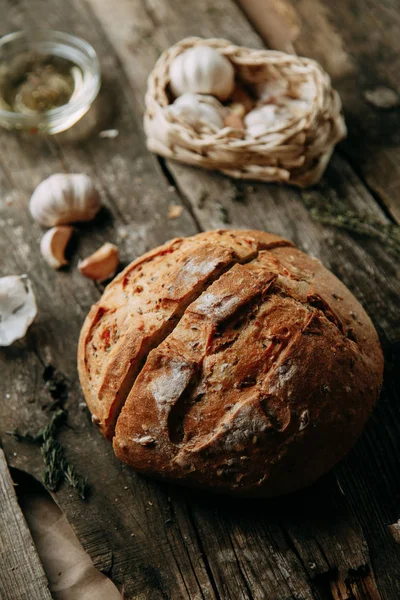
x=314, y=132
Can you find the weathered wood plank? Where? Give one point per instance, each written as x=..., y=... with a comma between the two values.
x=21, y=576
x=184, y=545
x=139, y=32
x=131, y=542
x=357, y=42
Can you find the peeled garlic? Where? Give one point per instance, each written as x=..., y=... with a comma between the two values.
x=102, y=264
x=202, y=70
x=17, y=308
x=61, y=199
x=53, y=245
x=198, y=111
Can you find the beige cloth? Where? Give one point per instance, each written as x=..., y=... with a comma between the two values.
x=68, y=567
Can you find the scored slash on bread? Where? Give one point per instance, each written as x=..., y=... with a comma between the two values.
x=142, y=305
x=253, y=375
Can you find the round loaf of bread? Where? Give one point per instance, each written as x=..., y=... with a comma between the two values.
x=230, y=361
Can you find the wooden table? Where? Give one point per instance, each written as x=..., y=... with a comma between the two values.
x=160, y=542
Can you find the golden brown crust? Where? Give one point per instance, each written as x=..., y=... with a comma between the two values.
x=142, y=305
x=264, y=381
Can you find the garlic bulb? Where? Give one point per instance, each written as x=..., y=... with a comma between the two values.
x=260, y=120
x=202, y=70
x=17, y=308
x=53, y=245
x=102, y=264
x=62, y=199
x=198, y=111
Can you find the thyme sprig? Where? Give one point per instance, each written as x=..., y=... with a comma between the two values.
x=56, y=466
x=337, y=214
x=47, y=432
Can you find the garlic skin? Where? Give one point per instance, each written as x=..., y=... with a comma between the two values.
x=202, y=70
x=271, y=90
x=17, y=308
x=293, y=109
x=234, y=120
x=53, y=245
x=198, y=111
x=260, y=120
x=102, y=264
x=64, y=198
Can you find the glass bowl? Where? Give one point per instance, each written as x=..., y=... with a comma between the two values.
x=15, y=48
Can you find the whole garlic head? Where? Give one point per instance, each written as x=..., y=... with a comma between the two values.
x=198, y=111
x=17, y=308
x=62, y=199
x=202, y=70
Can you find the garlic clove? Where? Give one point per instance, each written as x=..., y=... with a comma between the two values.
x=17, y=308
x=202, y=70
x=64, y=198
x=53, y=245
x=237, y=109
x=198, y=111
x=102, y=264
x=260, y=120
x=233, y=120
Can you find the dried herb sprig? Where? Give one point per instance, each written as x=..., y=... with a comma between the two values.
x=47, y=432
x=337, y=214
x=56, y=466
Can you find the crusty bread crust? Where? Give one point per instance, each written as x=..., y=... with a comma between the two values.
x=143, y=304
x=263, y=382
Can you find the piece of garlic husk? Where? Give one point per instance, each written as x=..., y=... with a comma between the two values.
x=17, y=308
x=102, y=264
x=53, y=245
x=198, y=111
x=202, y=70
x=64, y=198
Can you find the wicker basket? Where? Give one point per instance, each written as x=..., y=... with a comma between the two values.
x=296, y=151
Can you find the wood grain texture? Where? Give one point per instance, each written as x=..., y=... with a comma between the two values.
x=357, y=42
x=160, y=541
x=21, y=576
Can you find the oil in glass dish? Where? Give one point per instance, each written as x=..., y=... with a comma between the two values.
x=48, y=80
x=33, y=84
